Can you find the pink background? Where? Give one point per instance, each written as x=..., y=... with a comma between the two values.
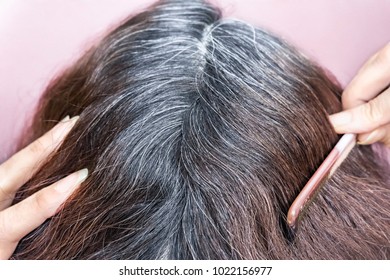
x=38, y=38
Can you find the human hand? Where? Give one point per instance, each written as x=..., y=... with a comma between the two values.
x=366, y=102
x=18, y=220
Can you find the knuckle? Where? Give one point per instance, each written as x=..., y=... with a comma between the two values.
x=42, y=203
x=36, y=147
x=372, y=112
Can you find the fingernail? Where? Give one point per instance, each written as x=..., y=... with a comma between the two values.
x=367, y=139
x=72, y=181
x=74, y=119
x=63, y=127
x=65, y=119
x=340, y=120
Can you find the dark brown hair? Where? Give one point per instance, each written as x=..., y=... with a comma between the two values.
x=199, y=132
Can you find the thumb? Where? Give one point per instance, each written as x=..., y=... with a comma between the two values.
x=364, y=118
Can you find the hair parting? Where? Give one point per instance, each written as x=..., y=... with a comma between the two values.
x=199, y=132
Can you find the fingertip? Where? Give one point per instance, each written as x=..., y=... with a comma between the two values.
x=340, y=121
x=67, y=118
x=71, y=182
x=381, y=134
x=368, y=138
x=68, y=185
x=63, y=128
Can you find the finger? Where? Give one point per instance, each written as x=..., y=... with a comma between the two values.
x=20, y=219
x=371, y=79
x=364, y=118
x=381, y=134
x=19, y=168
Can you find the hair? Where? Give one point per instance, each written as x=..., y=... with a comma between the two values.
x=199, y=132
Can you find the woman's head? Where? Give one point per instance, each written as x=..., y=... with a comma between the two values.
x=199, y=133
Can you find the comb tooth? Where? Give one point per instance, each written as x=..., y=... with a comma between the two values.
x=326, y=169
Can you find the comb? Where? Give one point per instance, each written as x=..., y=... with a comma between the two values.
x=323, y=173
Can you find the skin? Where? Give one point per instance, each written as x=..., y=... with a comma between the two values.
x=366, y=102
x=18, y=220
